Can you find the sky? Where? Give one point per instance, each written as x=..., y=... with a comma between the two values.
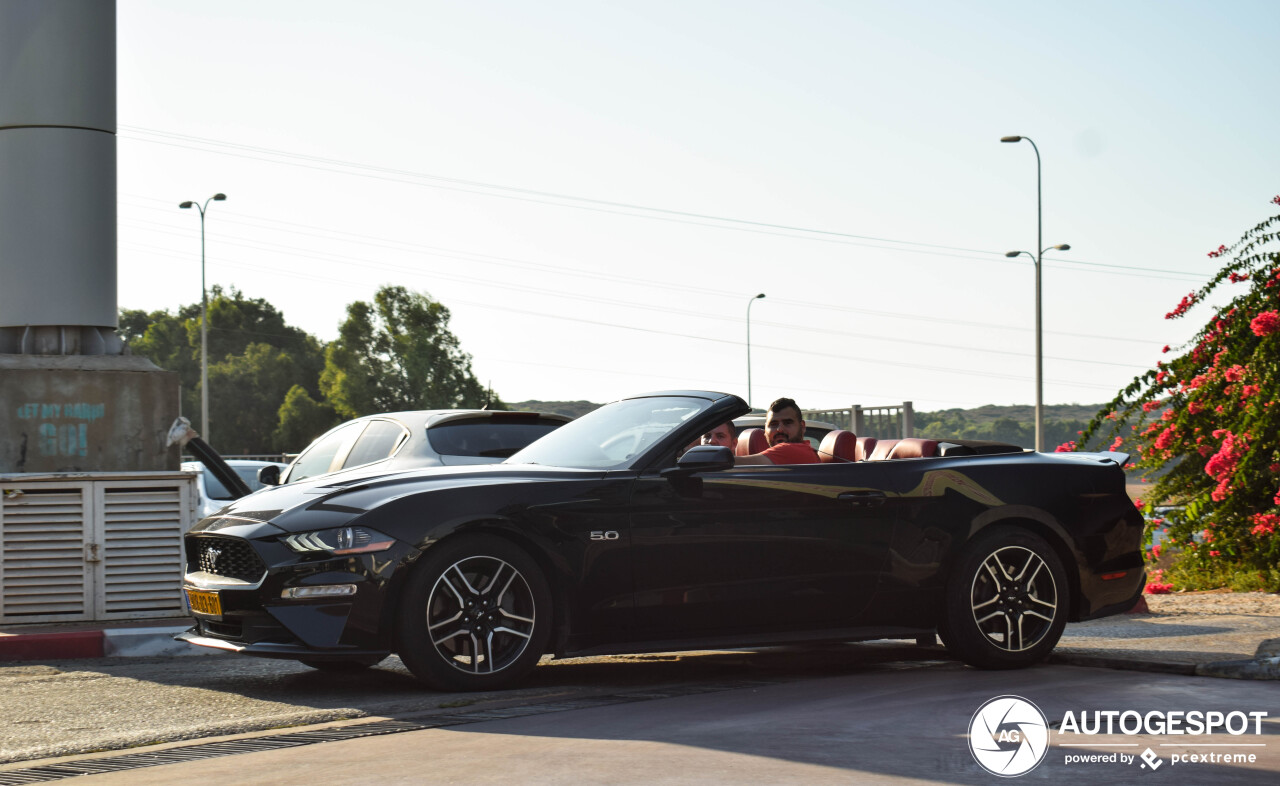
x=598, y=190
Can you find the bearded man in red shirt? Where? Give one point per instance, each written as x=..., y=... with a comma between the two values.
x=784, y=428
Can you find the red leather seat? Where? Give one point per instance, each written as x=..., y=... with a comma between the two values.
x=838, y=446
x=865, y=446
x=751, y=441
x=910, y=447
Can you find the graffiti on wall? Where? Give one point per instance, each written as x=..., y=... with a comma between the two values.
x=63, y=428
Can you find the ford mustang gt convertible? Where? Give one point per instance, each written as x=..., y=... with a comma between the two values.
x=611, y=535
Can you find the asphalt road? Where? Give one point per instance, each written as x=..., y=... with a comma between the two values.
x=835, y=715
x=68, y=707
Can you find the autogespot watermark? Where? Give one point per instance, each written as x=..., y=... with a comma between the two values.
x=1009, y=736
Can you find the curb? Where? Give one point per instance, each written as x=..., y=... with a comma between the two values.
x=102, y=643
x=41, y=646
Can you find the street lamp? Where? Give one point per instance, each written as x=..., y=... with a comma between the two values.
x=1039, y=342
x=204, y=320
x=749, y=302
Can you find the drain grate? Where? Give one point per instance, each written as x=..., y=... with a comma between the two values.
x=132, y=761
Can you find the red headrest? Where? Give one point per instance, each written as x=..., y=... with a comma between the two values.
x=882, y=449
x=751, y=441
x=865, y=446
x=911, y=447
x=914, y=447
x=838, y=446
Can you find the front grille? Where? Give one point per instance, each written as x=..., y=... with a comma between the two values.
x=229, y=557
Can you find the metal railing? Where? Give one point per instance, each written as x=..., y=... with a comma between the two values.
x=891, y=421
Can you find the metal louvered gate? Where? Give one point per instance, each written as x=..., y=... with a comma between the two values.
x=93, y=546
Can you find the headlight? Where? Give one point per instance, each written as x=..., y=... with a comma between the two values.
x=339, y=541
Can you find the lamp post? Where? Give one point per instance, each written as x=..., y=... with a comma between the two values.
x=749, y=302
x=204, y=320
x=1039, y=342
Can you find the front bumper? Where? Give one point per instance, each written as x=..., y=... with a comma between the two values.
x=256, y=620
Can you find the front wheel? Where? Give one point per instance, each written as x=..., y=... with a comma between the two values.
x=475, y=615
x=1006, y=600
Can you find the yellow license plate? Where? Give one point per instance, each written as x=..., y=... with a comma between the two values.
x=203, y=602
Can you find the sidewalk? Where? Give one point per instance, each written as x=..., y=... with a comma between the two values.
x=1206, y=634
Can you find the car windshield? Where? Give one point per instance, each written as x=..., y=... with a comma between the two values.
x=612, y=436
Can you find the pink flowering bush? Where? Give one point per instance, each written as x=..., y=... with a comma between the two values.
x=1205, y=423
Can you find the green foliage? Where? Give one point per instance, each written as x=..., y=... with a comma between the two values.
x=1208, y=416
x=248, y=389
x=572, y=409
x=236, y=323
x=398, y=354
x=995, y=424
x=300, y=420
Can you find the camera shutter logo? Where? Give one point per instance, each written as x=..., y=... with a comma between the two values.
x=1008, y=736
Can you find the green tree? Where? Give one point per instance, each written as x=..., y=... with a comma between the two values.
x=398, y=354
x=300, y=420
x=1209, y=416
x=246, y=392
x=248, y=389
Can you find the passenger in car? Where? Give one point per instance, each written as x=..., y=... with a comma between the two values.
x=724, y=435
x=784, y=428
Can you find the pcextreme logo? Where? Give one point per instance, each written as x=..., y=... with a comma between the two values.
x=1009, y=736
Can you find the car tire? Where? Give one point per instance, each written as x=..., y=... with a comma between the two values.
x=347, y=666
x=475, y=615
x=1006, y=600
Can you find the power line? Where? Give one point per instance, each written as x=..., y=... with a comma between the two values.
x=585, y=203
x=654, y=331
x=507, y=261
x=524, y=289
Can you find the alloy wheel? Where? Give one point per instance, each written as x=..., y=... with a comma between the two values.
x=1014, y=599
x=480, y=615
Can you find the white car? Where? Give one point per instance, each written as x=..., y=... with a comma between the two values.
x=212, y=496
x=424, y=438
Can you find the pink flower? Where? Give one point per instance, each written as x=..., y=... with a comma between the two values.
x=1235, y=373
x=1157, y=588
x=1155, y=551
x=1116, y=445
x=1214, y=553
x=1236, y=278
x=1188, y=301
x=1166, y=348
x=1218, y=252
x=1195, y=407
x=1065, y=447
x=1265, y=324
x=1137, y=503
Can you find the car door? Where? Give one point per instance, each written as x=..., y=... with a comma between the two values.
x=762, y=548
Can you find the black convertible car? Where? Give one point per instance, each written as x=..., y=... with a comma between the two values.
x=607, y=536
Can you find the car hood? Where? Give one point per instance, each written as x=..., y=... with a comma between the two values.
x=324, y=502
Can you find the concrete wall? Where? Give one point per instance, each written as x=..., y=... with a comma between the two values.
x=86, y=414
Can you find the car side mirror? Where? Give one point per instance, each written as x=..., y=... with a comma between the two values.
x=702, y=458
x=269, y=476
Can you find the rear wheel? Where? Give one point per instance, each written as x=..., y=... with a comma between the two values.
x=475, y=615
x=1006, y=600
